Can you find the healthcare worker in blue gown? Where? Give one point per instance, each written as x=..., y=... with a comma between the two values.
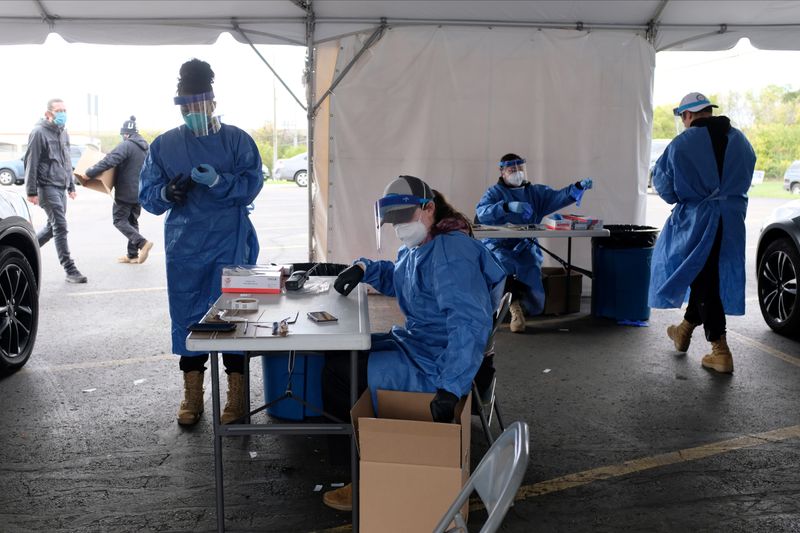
x=447, y=285
x=515, y=200
x=705, y=172
x=204, y=175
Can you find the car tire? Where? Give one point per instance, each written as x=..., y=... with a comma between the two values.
x=777, y=287
x=19, y=310
x=795, y=188
x=7, y=177
x=301, y=178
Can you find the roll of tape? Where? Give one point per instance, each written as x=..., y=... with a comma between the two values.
x=244, y=304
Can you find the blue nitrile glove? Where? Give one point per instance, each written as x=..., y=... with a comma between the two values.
x=579, y=188
x=523, y=208
x=204, y=174
x=443, y=406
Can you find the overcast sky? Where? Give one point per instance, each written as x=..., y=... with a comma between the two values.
x=140, y=80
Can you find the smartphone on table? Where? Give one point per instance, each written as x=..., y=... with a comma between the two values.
x=322, y=316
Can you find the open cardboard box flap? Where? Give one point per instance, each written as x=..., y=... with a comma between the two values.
x=102, y=183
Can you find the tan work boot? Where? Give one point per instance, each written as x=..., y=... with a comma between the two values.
x=681, y=335
x=340, y=499
x=192, y=405
x=517, y=318
x=126, y=259
x=234, y=406
x=144, y=252
x=720, y=358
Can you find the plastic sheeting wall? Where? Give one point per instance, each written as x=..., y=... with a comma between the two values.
x=445, y=104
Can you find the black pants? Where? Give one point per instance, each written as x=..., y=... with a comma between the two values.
x=516, y=288
x=705, y=304
x=126, y=220
x=233, y=363
x=336, y=397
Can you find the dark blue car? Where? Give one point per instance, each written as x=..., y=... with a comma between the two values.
x=12, y=170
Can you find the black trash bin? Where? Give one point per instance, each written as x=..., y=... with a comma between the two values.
x=621, y=272
x=307, y=372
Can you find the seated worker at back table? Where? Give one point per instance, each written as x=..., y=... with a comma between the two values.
x=447, y=285
x=514, y=200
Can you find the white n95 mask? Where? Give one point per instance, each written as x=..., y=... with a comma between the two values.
x=516, y=179
x=411, y=233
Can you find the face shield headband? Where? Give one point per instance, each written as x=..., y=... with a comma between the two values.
x=512, y=163
x=197, y=110
x=396, y=209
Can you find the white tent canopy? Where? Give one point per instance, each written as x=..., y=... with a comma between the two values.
x=442, y=89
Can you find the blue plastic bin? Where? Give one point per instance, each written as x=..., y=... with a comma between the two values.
x=621, y=272
x=306, y=384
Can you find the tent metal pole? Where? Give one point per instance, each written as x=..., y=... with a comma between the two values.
x=653, y=23
x=264, y=60
x=722, y=29
x=311, y=89
x=376, y=35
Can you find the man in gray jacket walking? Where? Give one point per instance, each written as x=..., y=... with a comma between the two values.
x=48, y=180
x=127, y=157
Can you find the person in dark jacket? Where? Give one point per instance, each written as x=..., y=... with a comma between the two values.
x=49, y=180
x=127, y=157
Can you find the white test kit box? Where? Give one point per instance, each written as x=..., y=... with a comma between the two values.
x=256, y=279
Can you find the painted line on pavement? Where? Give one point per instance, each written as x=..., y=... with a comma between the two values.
x=104, y=364
x=646, y=463
x=604, y=473
x=766, y=349
x=116, y=291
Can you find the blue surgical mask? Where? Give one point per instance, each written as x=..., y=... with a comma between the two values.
x=197, y=122
x=60, y=118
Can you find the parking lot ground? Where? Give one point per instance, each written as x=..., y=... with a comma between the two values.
x=626, y=434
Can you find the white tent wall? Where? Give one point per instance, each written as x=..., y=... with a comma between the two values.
x=446, y=103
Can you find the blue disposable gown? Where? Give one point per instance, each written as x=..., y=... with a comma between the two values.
x=212, y=229
x=448, y=289
x=686, y=174
x=522, y=257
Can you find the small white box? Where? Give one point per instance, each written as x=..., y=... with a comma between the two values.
x=257, y=279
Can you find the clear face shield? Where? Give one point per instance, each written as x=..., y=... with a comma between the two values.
x=197, y=111
x=396, y=209
x=514, y=172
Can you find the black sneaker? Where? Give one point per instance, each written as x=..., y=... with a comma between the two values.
x=76, y=277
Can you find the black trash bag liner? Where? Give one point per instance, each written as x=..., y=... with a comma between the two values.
x=624, y=236
x=324, y=269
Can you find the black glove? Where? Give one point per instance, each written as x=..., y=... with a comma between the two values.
x=443, y=406
x=348, y=279
x=178, y=189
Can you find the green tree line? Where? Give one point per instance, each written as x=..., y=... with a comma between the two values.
x=261, y=136
x=770, y=118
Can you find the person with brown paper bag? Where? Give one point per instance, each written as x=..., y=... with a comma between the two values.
x=127, y=158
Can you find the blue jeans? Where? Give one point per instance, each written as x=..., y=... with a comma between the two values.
x=54, y=202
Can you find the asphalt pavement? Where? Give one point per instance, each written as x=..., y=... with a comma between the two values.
x=626, y=434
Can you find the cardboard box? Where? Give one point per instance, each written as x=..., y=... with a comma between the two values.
x=555, y=291
x=102, y=183
x=256, y=279
x=411, y=468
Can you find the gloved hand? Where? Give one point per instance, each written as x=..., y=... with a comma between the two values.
x=585, y=184
x=204, y=174
x=443, y=406
x=579, y=188
x=347, y=280
x=177, y=189
x=523, y=208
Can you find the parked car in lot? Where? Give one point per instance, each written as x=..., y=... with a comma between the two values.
x=19, y=282
x=12, y=171
x=293, y=169
x=777, y=268
x=791, y=178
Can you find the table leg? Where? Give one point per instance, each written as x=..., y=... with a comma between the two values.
x=217, y=443
x=569, y=271
x=247, y=387
x=353, y=450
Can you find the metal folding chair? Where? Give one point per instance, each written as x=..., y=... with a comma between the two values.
x=485, y=405
x=496, y=480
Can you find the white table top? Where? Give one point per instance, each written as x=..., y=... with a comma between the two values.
x=517, y=232
x=350, y=332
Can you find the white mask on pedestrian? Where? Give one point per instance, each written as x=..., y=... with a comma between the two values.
x=515, y=179
x=411, y=233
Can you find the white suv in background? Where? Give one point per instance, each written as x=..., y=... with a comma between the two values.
x=791, y=178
